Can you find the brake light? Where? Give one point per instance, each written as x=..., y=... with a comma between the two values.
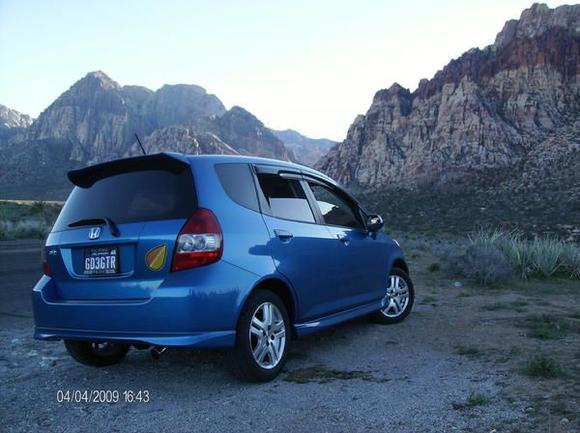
x=46, y=270
x=199, y=243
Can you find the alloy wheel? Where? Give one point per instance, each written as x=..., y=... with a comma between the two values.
x=267, y=335
x=397, y=297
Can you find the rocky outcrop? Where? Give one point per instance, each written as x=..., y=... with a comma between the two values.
x=13, y=119
x=13, y=125
x=307, y=150
x=183, y=139
x=489, y=109
x=248, y=135
x=180, y=104
x=94, y=116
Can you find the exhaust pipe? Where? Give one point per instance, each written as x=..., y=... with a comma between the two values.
x=156, y=351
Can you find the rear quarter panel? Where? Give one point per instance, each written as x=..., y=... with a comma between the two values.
x=246, y=238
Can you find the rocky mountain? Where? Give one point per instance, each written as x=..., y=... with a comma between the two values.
x=12, y=123
x=307, y=150
x=96, y=120
x=496, y=120
x=100, y=117
x=13, y=119
x=184, y=139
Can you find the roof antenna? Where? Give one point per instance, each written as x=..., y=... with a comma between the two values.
x=140, y=145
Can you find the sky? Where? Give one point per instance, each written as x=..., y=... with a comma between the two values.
x=307, y=65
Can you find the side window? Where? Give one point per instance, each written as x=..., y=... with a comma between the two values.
x=237, y=181
x=335, y=210
x=286, y=198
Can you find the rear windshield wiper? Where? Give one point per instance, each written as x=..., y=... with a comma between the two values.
x=97, y=221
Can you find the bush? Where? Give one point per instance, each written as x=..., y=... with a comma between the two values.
x=546, y=255
x=24, y=229
x=571, y=261
x=434, y=267
x=541, y=365
x=517, y=253
x=485, y=264
x=542, y=256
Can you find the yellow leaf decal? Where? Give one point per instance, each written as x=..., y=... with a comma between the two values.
x=155, y=257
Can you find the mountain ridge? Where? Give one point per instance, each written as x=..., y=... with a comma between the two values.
x=486, y=109
x=96, y=120
x=307, y=150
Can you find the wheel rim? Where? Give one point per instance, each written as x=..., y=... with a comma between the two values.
x=267, y=335
x=397, y=297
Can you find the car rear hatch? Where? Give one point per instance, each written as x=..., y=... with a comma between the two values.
x=115, y=235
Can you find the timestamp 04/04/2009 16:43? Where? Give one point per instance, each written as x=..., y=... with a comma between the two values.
x=103, y=396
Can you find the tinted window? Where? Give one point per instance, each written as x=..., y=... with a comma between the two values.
x=131, y=197
x=237, y=181
x=335, y=210
x=286, y=198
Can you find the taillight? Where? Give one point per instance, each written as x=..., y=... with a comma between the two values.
x=45, y=265
x=199, y=243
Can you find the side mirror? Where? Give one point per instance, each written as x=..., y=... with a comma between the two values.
x=375, y=223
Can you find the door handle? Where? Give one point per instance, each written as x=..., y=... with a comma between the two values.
x=283, y=235
x=344, y=239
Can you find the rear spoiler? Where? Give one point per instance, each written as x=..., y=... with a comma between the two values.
x=86, y=177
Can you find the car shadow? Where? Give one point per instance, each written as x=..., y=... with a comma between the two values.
x=201, y=365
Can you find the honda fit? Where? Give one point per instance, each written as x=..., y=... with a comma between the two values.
x=169, y=250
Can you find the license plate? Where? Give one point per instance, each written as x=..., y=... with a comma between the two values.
x=101, y=261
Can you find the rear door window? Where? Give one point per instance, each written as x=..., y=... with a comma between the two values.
x=134, y=196
x=286, y=198
x=238, y=183
x=335, y=210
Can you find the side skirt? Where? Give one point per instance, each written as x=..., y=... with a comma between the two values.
x=307, y=328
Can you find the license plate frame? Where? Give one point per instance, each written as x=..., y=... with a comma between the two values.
x=101, y=261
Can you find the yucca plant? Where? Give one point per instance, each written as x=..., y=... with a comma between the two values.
x=571, y=260
x=546, y=255
x=517, y=251
x=488, y=238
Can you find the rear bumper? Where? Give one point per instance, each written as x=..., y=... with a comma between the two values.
x=215, y=339
x=177, y=313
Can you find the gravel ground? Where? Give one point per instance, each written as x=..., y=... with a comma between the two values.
x=356, y=377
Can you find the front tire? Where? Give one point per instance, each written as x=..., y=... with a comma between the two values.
x=96, y=354
x=262, y=338
x=399, y=299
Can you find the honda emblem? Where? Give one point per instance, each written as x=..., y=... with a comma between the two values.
x=95, y=233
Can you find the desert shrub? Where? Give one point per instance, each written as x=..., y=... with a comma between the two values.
x=541, y=365
x=542, y=256
x=545, y=327
x=38, y=207
x=488, y=238
x=434, y=267
x=518, y=253
x=571, y=261
x=485, y=264
x=6, y=230
x=422, y=245
x=24, y=229
x=546, y=253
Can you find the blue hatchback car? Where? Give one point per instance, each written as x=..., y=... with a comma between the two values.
x=235, y=252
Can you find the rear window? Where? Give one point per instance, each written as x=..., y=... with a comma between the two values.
x=286, y=198
x=134, y=196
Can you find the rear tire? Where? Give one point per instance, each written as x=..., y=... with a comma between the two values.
x=96, y=354
x=262, y=338
x=400, y=297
